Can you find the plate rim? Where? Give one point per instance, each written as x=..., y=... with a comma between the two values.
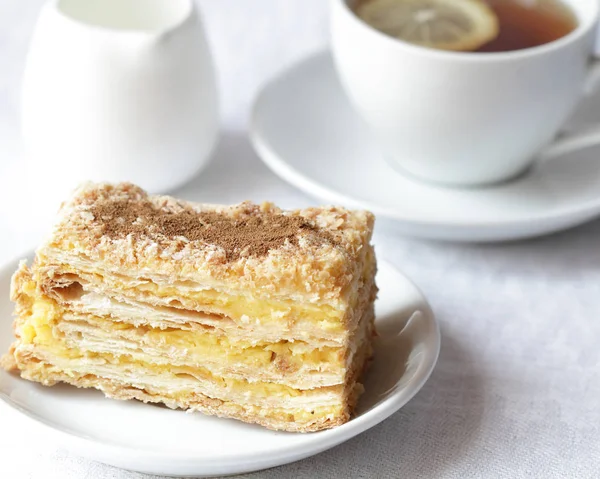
x=238, y=463
x=276, y=163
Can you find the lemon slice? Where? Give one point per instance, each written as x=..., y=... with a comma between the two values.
x=459, y=25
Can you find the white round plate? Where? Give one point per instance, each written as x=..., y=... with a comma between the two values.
x=158, y=440
x=305, y=130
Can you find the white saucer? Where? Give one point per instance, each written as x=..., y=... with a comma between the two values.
x=305, y=130
x=158, y=440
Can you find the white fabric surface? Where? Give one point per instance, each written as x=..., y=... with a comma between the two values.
x=516, y=392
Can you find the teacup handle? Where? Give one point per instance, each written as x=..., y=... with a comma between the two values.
x=576, y=139
x=592, y=83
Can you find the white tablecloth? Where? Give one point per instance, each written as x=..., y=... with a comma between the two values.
x=516, y=392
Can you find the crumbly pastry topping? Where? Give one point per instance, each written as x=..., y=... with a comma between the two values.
x=316, y=252
x=253, y=235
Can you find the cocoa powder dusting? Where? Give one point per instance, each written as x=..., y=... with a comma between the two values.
x=252, y=235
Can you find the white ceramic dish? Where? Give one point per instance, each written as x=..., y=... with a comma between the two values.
x=118, y=90
x=157, y=440
x=306, y=131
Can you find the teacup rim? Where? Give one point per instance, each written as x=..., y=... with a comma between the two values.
x=583, y=28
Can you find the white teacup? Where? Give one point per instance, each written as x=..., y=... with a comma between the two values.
x=462, y=118
x=119, y=90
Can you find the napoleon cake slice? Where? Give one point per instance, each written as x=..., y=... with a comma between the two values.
x=244, y=311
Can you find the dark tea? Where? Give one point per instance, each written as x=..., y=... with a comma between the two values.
x=470, y=25
x=529, y=23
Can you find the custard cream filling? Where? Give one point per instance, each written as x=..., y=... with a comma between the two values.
x=243, y=308
x=161, y=317
x=43, y=326
x=37, y=336
x=307, y=409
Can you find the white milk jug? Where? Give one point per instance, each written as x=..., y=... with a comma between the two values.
x=119, y=90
